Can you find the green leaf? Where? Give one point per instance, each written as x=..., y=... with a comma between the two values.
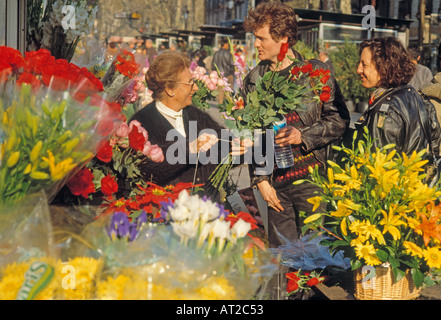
x=356, y=264
x=382, y=255
x=280, y=102
x=417, y=277
x=398, y=274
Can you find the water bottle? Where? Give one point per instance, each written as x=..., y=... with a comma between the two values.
x=283, y=155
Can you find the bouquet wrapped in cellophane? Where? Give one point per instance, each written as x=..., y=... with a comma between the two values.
x=52, y=118
x=120, y=74
x=198, y=250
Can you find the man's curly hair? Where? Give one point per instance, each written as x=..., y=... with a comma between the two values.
x=391, y=60
x=280, y=18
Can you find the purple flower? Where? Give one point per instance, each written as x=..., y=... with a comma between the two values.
x=193, y=65
x=165, y=206
x=119, y=225
x=142, y=218
x=133, y=231
x=222, y=212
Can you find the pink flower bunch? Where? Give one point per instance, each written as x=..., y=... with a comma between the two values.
x=121, y=138
x=133, y=90
x=213, y=81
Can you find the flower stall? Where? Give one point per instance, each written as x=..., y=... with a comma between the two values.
x=64, y=134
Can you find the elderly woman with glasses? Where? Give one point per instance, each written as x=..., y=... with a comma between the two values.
x=397, y=113
x=175, y=125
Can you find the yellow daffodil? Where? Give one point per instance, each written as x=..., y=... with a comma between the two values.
x=59, y=170
x=390, y=222
x=433, y=257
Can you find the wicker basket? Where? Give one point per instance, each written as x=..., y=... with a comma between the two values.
x=383, y=287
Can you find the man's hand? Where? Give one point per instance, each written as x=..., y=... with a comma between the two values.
x=287, y=136
x=269, y=195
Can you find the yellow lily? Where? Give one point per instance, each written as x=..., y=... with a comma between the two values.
x=35, y=152
x=13, y=159
x=58, y=171
x=315, y=201
x=342, y=210
x=312, y=218
x=391, y=221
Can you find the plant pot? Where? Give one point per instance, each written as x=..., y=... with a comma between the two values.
x=382, y=285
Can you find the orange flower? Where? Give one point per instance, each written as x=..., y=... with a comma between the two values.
x=239, y=104
x=430, y=228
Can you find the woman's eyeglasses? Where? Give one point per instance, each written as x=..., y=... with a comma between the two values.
x=190, y=83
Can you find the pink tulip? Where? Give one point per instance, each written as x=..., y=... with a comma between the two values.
x=156, y=153
x=123, y=130
x=147, y=148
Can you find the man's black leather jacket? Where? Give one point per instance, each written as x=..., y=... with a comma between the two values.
x=324, y=124
x=223, y=60
x=398, y=116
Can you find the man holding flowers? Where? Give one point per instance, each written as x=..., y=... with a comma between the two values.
x=309, y=131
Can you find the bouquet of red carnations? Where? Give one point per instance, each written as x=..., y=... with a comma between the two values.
x=52, y=117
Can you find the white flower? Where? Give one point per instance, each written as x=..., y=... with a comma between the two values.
x=240, y=229
x=220, y=229
x=179, y=214
x=186, y=230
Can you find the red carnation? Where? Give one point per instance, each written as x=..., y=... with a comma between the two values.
x=136, y=139
x=293, y=276
x=292, y=286
x=283, y=50
x=295, y=70
x=325, y=96
x=37, y=61
x=82, y=183
x=5, y=71
x=325, y=78
x=326, y=89
x=28, y=78
x=315, y=73
x=105, y=152
x=12, y=57
x=312, y=282
x=108, y=185
x=307, y=68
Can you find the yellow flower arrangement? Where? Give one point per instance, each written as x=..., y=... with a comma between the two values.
x=379, y=211
x=15, y=283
